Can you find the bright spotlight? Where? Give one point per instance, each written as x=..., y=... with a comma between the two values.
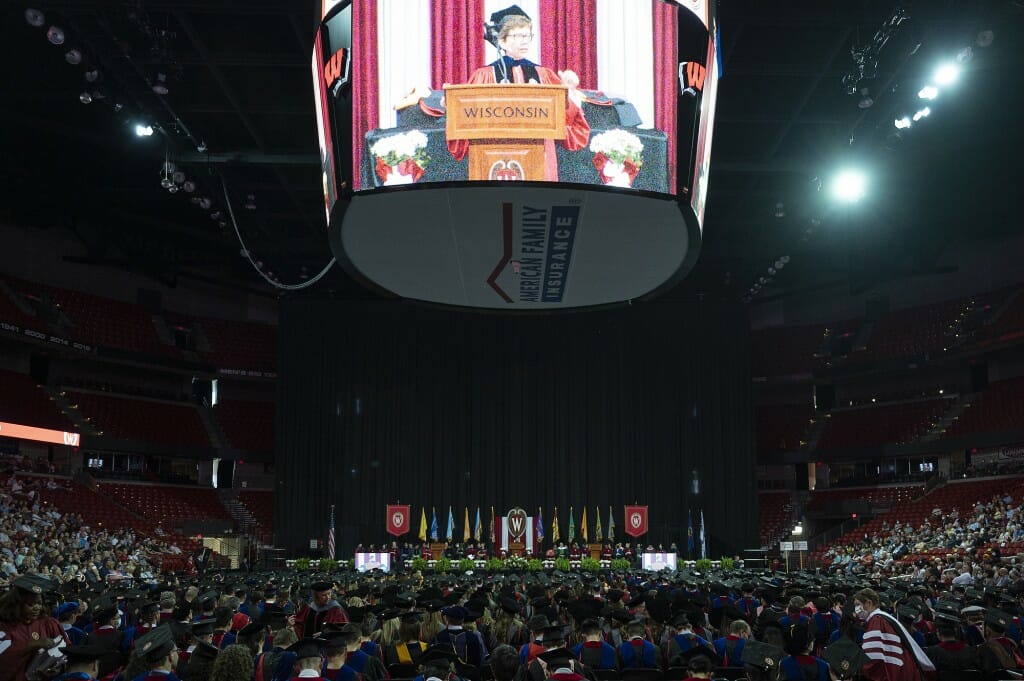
x=850, y=186
x=143, y=130
x=947, y=74
x=55, y=35
x=903, y=123
x=34, y=17
x=928, y=92
x=923, y=113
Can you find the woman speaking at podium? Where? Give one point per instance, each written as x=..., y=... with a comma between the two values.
x=511, y=30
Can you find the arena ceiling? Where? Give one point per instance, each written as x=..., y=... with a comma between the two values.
x=237, y=79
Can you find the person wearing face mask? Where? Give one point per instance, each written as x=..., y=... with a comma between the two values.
x=25, y=627
x=895, y=656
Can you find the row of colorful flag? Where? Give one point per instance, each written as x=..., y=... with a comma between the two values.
x=475, y=531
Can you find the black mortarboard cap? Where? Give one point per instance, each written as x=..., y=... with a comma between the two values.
x=455, y=612
x=439, y=651
x=513, y=10
x=997, y=619
x=411, y=617
x=76, y=654
x=762, y=655
x=253, y=630
x=306, y=647
x=202, y=628
x=845, y=657
x=204, y=651
x=321, y=586
x=156, y=644
x=584, y=608
x=554, y=633
x=34, y=584
x=701, y=651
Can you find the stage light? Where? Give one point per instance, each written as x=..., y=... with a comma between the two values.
x=160, y=86
x=92, y=75
x=55, y=35
x=143, y=130
x=849, y=186
x=166, y=183
x=923, y=113
x=189, y=186
x=947, y=74
x=780, y=210
x=178, y=177
x=205, y=203
x=964, y=55
x=928, y=92
x=173, y=189
x=903, y=123
x=73, y=57
x=799, y=529
x=985, y=38
x=34, y=17
x=85, y=98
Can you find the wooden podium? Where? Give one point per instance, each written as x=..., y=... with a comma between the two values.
x=595, y=550
x=506, y=126
x=437, y=550
x=516, y=548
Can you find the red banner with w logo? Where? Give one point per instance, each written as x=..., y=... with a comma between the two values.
x=398, y=519
x=636, y=520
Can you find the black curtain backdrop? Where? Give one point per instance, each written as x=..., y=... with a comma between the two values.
x=383, y=402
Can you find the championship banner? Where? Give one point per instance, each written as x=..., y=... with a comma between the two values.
x=398, y=519
x=636, y=520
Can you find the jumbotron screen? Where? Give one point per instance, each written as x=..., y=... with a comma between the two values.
x=465, y=90
x=534, y=155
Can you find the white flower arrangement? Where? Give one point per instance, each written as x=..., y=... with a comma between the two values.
x=397, y=148
x=619, y=146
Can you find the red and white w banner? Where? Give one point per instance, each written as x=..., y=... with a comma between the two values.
x=636, y=520
x=398, y=519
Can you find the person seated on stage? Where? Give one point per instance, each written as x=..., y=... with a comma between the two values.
x=514, y=36
x=593, y=652
x=637, y=652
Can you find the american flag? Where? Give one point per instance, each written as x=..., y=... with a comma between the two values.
x=330, y=536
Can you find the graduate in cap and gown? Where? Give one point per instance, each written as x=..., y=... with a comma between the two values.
x=83, y=663
x=321, y=610
x=160, y=652
x=25, y=625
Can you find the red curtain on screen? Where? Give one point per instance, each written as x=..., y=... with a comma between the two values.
x=666, y=79
x=365, y=90
x=457, y=46
x=569, y=32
